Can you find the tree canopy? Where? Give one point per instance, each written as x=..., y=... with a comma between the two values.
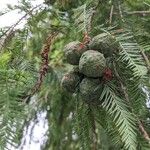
x=33, y=63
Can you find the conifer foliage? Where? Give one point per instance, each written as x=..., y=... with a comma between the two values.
x=86, y=64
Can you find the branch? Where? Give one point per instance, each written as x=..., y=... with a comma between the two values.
x=121, y=83
x=145, y=134
x=138, y=13
x=146, y=60
x=142, y=13
x=120, y=12
x=111, y=14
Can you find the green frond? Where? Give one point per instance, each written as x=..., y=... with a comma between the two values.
x=14, y=84
x=83, y=17
x=135, y=71
x=12, y=113
x=83, y=125
x=107, y=124
x=72, y=123
x=131, y=56
x=124, y=120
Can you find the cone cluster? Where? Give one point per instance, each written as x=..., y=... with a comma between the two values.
x=89, y=64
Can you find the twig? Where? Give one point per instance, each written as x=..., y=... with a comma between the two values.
x=145, y=134
x=138, y=12
x=121, y=83
x=7, y=40
x=146, y=60
x=120, y=12
x=142, y=13
x=111, y=14
x=6, y=32
x=117, y=31
x=11, y=28
x=141, y=127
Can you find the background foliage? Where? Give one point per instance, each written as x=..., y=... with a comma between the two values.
x=122, y=121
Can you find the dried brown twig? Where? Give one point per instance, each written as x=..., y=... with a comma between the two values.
x=44, y=66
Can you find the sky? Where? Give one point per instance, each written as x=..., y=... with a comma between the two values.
x=41, y=126
x=12, y=17
x=7, y=19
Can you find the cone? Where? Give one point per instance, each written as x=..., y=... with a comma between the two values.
x=92, y=64
x=73, y=52
x=90, y=90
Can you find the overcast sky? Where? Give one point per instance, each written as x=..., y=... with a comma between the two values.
x=12, y=17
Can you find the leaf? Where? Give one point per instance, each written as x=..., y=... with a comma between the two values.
x=124, y=120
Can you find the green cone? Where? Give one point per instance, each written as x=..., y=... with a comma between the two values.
x=70, y=81
x=104, y=43
x=90, y=90
x=73, y=52
x=92, y=63
x=75, y=69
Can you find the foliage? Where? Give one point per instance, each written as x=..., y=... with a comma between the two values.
x=122, y=121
